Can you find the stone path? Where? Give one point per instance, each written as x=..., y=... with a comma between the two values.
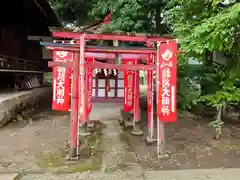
x=8, y=176
x=195, y=174
x=200, y=174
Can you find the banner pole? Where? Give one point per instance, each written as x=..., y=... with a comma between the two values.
x=161, y=154
x=158, y=136
x=74, y=111
x=150, y=104
x=134, y=103
x=90, y=124
x=82, y=127
x=158, y=94
x=80, y=94
x=152, y=113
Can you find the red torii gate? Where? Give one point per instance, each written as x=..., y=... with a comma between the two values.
x=81, y=63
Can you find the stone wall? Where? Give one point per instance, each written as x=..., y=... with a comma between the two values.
x=19, y=105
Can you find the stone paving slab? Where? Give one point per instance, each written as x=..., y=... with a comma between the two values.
x=8, y=176
x=105, y=111
x=115, y=154
x=204, y=174
x=117, y=175
x=200, y=174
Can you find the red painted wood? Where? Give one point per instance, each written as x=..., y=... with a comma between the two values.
x=100, y=65
x=100, y=55
x=76, y=35
x=96, y=88
x=116, y=87
x=109, y=99
x=74, y=104
x=104, y=87
x=75, y=48
x=121, y=50
x=82, y=83
x=134, y=56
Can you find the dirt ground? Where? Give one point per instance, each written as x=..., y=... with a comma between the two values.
x=40, y=145
x=191, y=145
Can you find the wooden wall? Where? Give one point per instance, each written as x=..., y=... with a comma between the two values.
x=34, y=53
x=14, y=43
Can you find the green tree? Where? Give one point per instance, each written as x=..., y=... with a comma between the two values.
x=132, y=15
x=203, y=27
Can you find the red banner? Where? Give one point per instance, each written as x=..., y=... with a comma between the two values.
x=89, y=86
x=61, y=82
x=150, y=90
x=129, y=77
x=166, y=82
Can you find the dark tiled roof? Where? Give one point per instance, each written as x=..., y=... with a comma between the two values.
x=48, y=12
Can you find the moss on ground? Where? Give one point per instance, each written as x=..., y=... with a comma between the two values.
x=85, y=167
x=90, y=156
x=124, y=138
x=51, y=160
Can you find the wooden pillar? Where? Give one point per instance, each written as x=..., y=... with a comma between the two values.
x=136, y=111
x=137, y=96
x=74, y=108
x=82, y=90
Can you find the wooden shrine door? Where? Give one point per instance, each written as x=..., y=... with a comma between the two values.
x=100, y=91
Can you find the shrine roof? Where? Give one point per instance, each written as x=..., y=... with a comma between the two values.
x=36, y=15
x=47, y=10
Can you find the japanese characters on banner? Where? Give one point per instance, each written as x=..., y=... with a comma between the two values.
x=166, y=82
x=129, y=77
x=61, y=82
x=89, y=86
x=150, y=90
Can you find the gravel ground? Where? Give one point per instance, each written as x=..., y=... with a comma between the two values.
x=23, y=145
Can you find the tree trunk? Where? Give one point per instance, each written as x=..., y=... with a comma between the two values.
x=160, y=28
x=158, y=19
x=219, y=120
x=206, y=86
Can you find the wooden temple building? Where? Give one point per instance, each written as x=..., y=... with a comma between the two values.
x=21, y=62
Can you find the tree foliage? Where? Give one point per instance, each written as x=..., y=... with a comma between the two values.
x=72, y=11
x=128, y=15
x=204, y=27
